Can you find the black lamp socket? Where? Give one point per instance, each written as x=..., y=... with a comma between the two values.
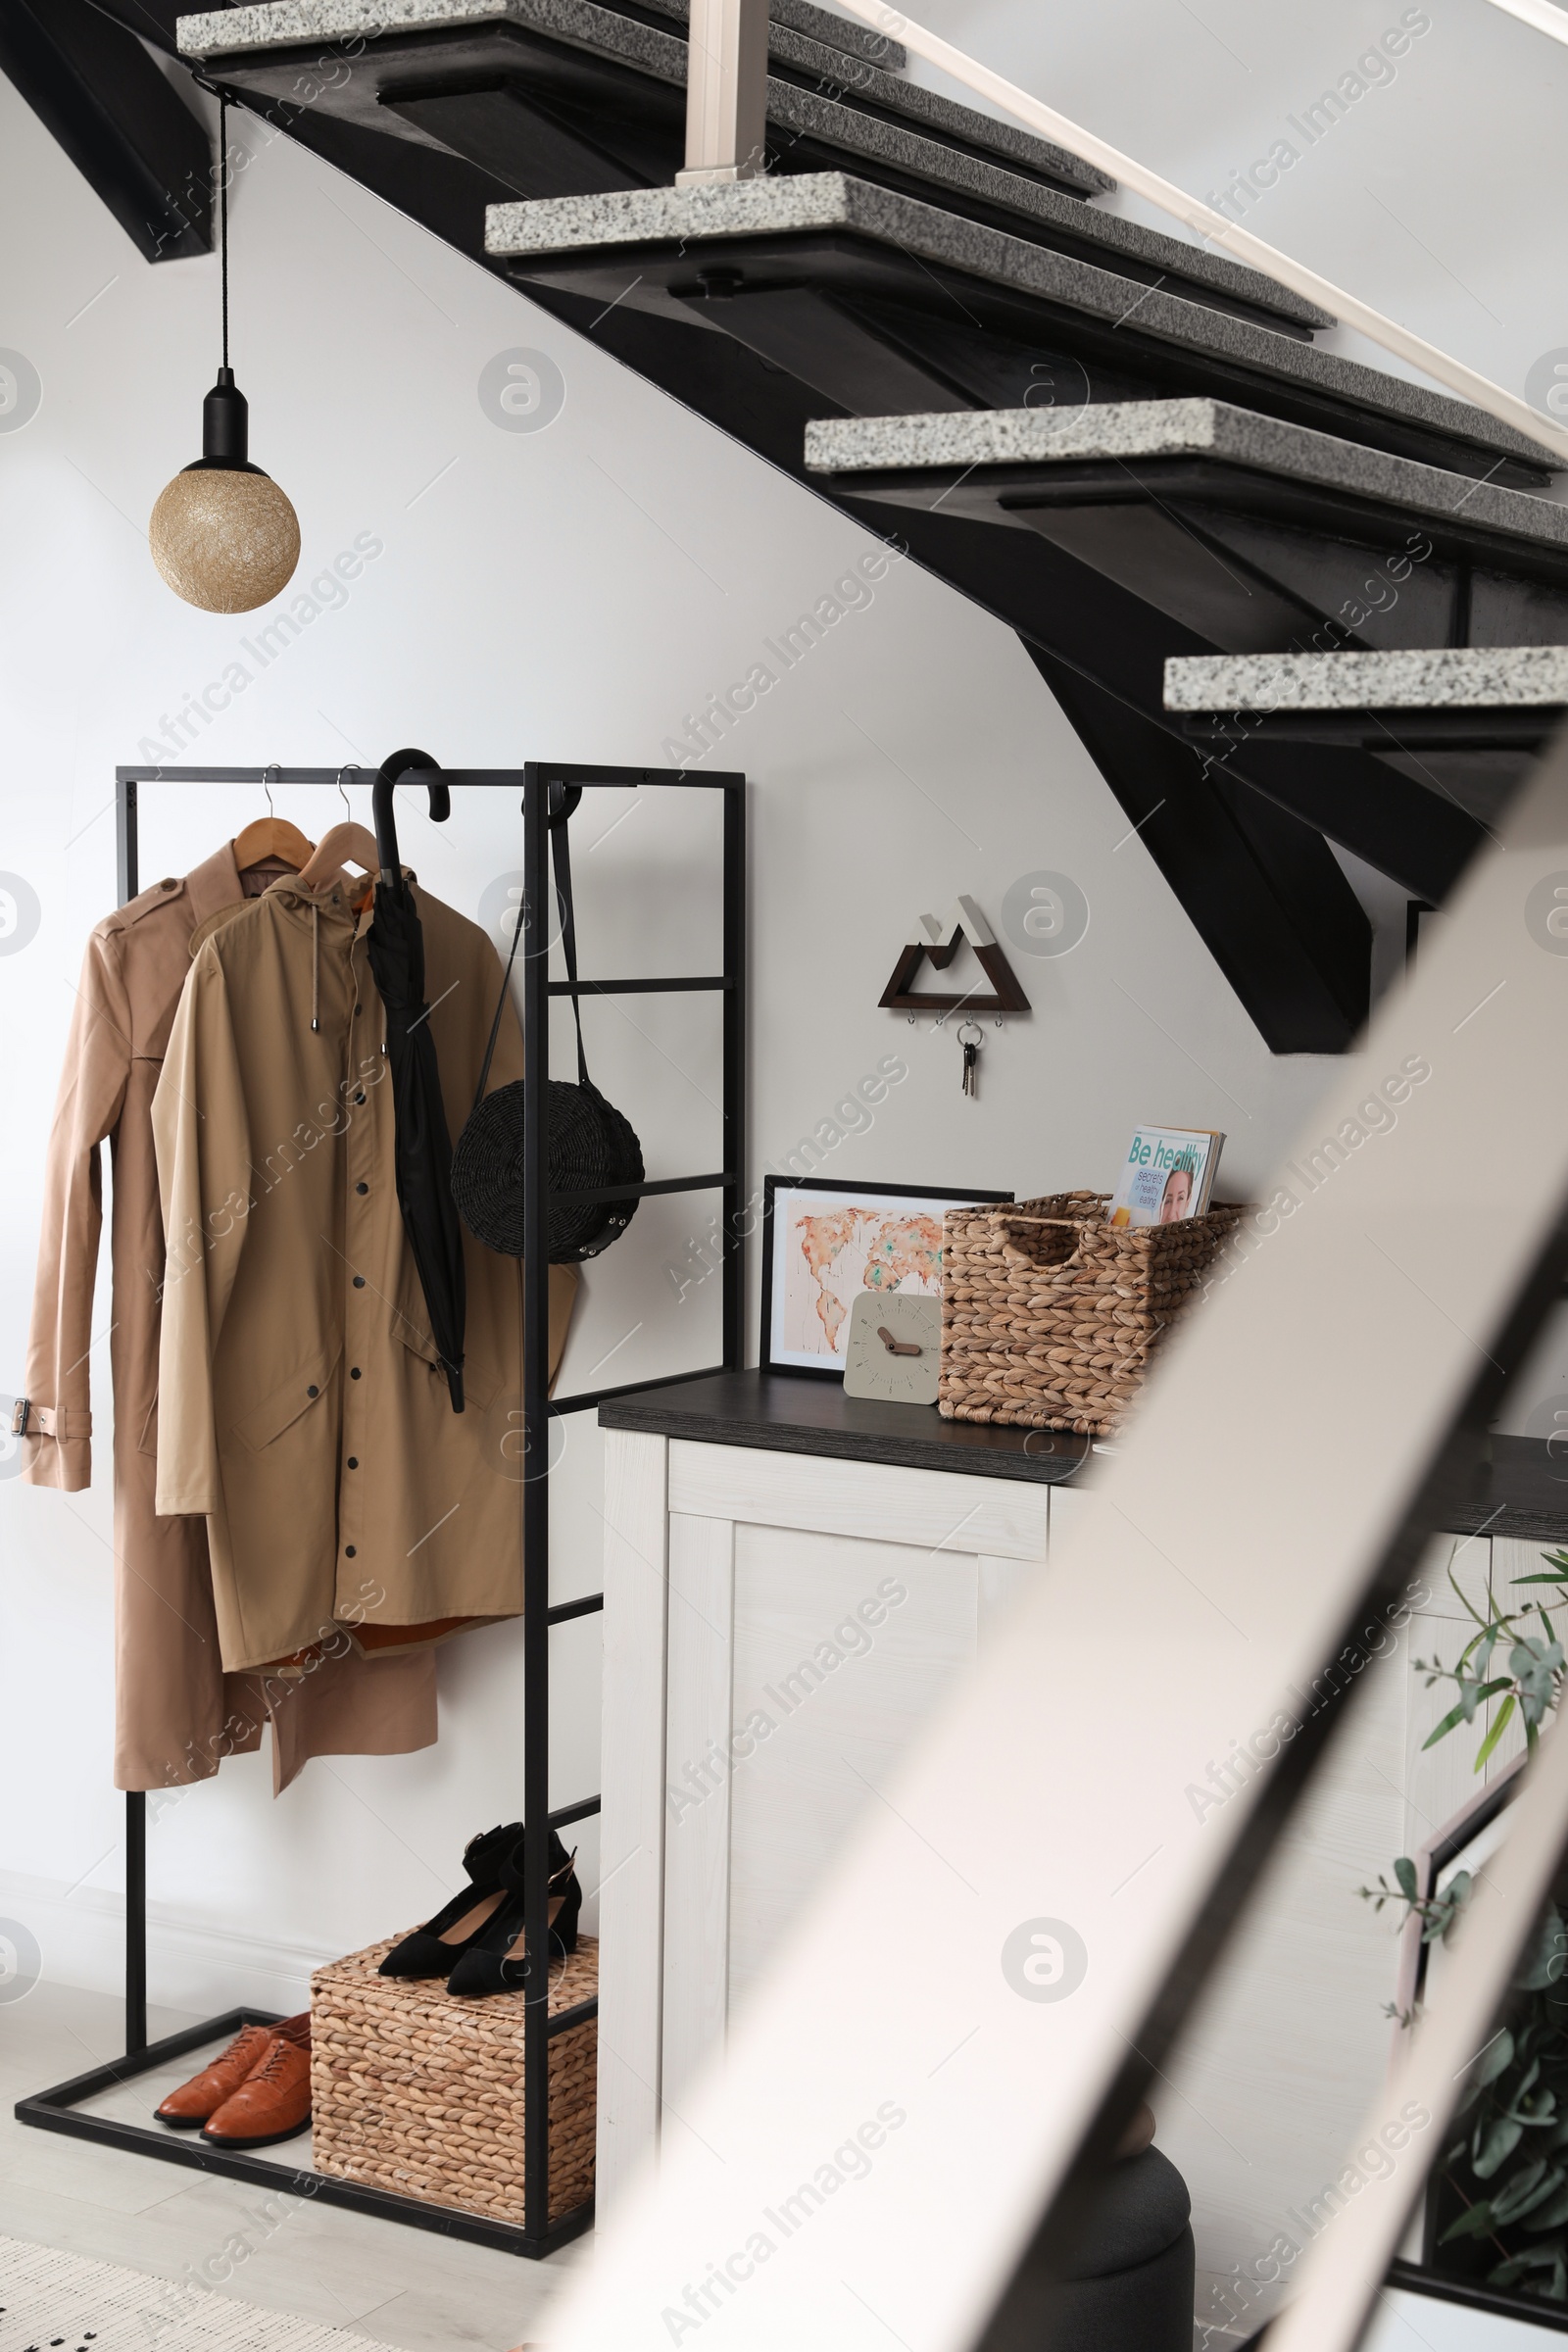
x=226, y=429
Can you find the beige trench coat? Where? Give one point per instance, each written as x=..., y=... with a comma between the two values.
x=177, y=1713
x=302, y=1406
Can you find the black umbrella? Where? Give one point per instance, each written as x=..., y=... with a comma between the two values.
x=423, y=1147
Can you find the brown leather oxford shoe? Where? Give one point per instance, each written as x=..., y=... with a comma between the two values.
x=275, y=2102
x=188, y=2107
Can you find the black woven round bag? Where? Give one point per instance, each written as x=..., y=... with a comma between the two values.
x=590, y=1143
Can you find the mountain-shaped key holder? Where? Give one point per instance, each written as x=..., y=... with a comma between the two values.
x=938, y=943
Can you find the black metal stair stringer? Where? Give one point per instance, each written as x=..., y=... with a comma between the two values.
x=1068, y=611
x=123, y=123
x=1262, y=890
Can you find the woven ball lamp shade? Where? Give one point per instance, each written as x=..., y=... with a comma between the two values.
x=222, y=533
x=224, y=540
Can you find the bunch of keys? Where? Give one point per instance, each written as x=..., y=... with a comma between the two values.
x=971, y=1057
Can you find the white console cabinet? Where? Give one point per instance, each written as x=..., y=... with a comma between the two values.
x=776, y=1628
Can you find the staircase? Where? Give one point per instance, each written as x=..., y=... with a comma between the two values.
x=1131, y=451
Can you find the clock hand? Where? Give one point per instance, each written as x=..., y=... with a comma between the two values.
x=897, y=1346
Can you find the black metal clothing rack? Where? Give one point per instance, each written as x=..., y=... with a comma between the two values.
x=60, y=2109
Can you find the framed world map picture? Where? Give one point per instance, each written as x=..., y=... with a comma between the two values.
x=824, y=1243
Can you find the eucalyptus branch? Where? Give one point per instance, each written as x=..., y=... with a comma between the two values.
x=1508, y=2173
x=1532, y=1685
x=1437, y=1913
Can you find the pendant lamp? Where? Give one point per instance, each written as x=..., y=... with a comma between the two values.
x=222, y=533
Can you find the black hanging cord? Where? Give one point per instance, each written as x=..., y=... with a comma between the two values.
x=203, y=82
x=222, y=209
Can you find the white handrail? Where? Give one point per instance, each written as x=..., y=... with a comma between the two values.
x=1538, y=13
x=1506, y=407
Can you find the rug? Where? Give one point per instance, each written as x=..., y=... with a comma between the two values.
x=56, y=2302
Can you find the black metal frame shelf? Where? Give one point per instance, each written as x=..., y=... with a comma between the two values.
x=60, y=2108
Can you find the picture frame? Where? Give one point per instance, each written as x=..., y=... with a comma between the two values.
x=786, y=1336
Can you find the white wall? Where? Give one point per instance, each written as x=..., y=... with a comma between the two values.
x=569, y=593
x=1431, y=197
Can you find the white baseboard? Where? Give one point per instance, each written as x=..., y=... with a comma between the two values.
x=80, y=1933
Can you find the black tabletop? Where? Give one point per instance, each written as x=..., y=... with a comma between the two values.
x=794, y=1414
x=1521, y=1492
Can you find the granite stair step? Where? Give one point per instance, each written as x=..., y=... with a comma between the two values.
x=569, y=97
x=1517, y=692
x=1256, y=533
x=1467, y=720
x=883, y=304
x=805, y=45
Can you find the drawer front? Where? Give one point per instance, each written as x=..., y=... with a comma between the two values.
x=930, y=1508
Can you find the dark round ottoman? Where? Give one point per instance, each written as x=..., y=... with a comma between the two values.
x=1129, y=2282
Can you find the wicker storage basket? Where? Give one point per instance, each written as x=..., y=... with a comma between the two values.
x=417, y=2091
x=1049, y=1315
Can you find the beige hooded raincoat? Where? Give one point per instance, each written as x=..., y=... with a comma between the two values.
x=178, y=1714
x=302, y=1407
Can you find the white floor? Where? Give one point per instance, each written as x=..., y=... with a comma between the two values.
x=405, y=2287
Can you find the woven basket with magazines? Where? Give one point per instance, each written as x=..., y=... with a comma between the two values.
x=1050, y=1314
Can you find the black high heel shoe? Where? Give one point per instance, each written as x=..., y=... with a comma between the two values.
x=432, y=1949
x=493, y=1961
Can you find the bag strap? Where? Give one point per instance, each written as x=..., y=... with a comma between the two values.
x=569, y=923
x=569, y=934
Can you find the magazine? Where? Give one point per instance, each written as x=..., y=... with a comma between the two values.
x=1168, y=1174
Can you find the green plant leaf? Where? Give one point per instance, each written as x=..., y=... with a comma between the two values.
x=1536, y=1666
x=1404, y=1872
x=1451, y=1723
x=1552, y=2216
x=1499, y=2145
x=1475, y=2223
x=1464, y=1712
x=1548, y=2187
x=1498, y=2054
x=1534, y=2258
x=1503, y=1717
x=1447, y=1912
x=1516, y=2192
x=1465, y=1601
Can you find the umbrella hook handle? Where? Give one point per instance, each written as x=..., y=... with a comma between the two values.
x=401, y=763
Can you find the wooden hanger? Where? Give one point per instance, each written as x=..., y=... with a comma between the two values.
x=339, y=843
x=270, y=837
